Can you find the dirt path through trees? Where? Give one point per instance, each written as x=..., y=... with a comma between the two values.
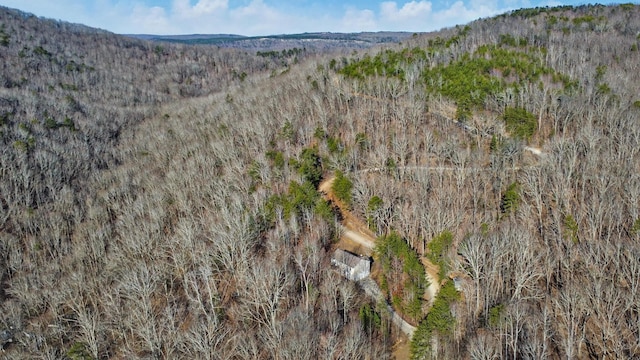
x=357, y=237
x=356, y=231
x=432, y=275
x=352, y=228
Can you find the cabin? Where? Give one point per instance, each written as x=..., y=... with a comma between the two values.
x=351, y=266
x=461, y=281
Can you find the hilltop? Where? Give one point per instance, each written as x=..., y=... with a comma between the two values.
x=161, y=199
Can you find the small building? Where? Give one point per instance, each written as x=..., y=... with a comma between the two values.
x=461, y=281
x=352, y=266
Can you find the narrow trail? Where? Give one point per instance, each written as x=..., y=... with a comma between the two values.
x=437, y=169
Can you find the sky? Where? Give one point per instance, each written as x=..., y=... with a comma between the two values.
x=270, y=17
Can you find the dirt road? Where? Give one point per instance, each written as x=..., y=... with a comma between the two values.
x=372, y=289
x=356, y=231
x=357, y=237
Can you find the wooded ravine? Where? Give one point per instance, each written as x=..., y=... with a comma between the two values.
x=160, y=200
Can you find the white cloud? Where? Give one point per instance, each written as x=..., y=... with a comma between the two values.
x=210, y=6
x=415, y=9
x=514, y=4
x=151, y=20
x=258, y=18
x=357, y=20
x=459, y=13
x=256, y=7
x=183, y=8
x=421, y=15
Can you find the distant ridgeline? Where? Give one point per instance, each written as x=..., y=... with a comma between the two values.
x=315, y=41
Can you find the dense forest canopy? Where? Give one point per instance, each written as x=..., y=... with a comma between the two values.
x=162, y=200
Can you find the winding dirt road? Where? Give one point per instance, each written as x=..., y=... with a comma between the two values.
x=354, y=230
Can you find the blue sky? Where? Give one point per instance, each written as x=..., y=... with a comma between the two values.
x=266, y=17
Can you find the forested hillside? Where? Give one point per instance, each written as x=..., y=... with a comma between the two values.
x=162, y=201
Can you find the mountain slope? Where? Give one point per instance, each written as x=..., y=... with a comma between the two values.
x=175, y=214
x=537, y=239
